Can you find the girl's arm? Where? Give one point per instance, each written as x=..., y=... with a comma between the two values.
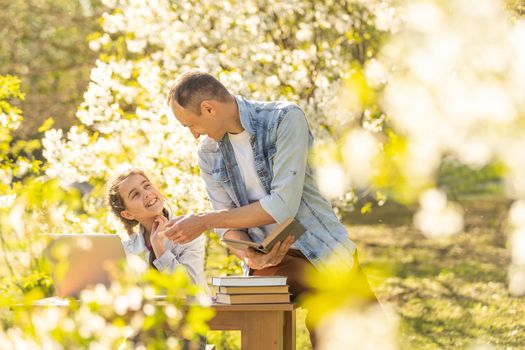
x=191, y=257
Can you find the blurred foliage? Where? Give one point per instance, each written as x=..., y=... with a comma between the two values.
x=44, y=44
x=124, y=316
x=459, y=181
x=348, y=288
x=359, y=102
x=517, y=6
x=26, y=200
x=10, y=119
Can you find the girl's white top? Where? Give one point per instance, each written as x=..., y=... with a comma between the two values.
x=190, y=255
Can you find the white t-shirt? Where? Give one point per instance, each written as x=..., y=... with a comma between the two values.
x=246, y=162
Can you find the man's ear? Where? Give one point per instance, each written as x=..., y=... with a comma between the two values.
x=126, y=215
x=207, y=108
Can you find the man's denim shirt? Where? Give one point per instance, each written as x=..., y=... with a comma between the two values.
x=280, y=139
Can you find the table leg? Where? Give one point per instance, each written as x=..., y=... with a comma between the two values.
x=289, y=330
x=262, y=331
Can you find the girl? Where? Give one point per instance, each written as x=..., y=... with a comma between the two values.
x=135, y=201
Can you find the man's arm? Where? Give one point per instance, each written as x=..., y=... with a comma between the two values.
x=186, y=228
x=289, y=166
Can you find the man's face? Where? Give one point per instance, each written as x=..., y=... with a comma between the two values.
x=207, y=123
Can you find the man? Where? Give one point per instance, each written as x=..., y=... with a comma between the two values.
x=254, y=162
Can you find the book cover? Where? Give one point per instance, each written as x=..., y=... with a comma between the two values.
x=252, y=298
x=239, y=281
x=254, y=290
x=289, y=227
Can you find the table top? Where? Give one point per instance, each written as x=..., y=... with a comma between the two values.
x=56, y=301
x=254, y=307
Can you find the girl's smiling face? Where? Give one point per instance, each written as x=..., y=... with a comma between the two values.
x=141, y=199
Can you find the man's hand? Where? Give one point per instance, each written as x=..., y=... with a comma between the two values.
x=184, y=229
x=258, y=261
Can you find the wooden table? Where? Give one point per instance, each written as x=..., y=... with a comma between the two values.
x=262, y=326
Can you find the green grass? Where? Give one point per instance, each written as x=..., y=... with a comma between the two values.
x=449, y=293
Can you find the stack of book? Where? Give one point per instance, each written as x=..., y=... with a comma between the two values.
x=251, y=290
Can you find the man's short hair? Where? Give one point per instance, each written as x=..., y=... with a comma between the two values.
x=193, y=87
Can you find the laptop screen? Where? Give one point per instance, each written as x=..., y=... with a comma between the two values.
x=79, y=261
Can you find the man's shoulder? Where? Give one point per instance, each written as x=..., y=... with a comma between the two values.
x=275, y=106
x=206, y=152
x=207, y=145
x=270, y=106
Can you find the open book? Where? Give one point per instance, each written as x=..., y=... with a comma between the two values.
x=289, y=227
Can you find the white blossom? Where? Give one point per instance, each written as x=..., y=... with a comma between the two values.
x=369, y=329
x=7, y=200
x=436, y=217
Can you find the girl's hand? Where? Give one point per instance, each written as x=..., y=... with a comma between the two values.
x=157, y=230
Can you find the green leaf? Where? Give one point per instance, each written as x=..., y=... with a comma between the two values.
x=367, y=208
x=46, y=125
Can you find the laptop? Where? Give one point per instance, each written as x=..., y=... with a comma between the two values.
x=79, y=261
